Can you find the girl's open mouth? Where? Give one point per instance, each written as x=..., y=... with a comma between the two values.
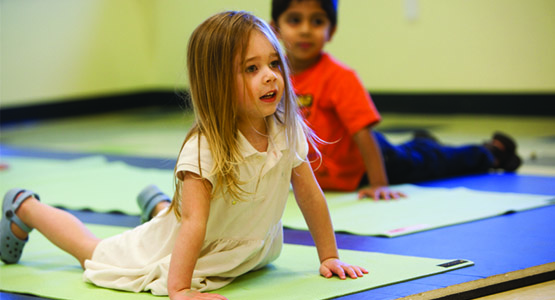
x=269, y=97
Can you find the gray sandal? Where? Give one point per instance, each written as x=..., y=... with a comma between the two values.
x=11, y=247
x=147, y=200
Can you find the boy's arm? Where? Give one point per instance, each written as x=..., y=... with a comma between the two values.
x=195, y=206
x=375, y=168
x=312, y=203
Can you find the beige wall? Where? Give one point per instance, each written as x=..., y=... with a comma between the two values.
x=55, y=50
x=451, y=46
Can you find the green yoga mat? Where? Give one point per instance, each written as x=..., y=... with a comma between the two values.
x=93, y=183
x=423, y=209
x=46, y=271
x=138, y=132
x=86, y=183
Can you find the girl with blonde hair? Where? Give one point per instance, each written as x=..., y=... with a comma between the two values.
x=233, y=173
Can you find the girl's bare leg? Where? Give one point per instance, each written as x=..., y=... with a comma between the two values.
x=58, y=226
x=159, y=207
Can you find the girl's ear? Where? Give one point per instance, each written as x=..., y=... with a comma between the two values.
x=275, y=29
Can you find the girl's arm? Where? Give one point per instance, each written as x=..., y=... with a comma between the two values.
x=195, y=207
x=312, y=203
x=375, y=168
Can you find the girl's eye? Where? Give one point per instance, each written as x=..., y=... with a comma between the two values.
x=274, y=64
x=251, y=69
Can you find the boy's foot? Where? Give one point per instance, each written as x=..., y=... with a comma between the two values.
x=503, y=148
x=13, y=232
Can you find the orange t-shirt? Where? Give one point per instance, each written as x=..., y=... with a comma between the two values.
x=335, y=105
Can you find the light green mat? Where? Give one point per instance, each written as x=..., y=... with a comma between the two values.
x=137, y=132
x=46, y=271
x=86, y=183
x=424, y=209
x=93, y=183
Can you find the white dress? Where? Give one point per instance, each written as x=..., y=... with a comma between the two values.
x=240, y=237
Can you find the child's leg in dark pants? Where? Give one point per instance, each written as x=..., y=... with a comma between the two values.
x=425, y=159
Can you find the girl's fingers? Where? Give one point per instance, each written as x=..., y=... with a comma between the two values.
x=360, y=271
x=327, y=273
x=352, y=273
x=355, y=271
x=340, y=272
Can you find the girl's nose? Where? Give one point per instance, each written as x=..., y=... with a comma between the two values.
x=270, y=76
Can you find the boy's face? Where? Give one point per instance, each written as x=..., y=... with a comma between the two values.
x=304, y=29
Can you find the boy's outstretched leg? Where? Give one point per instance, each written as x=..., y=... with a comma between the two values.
x=23, y=211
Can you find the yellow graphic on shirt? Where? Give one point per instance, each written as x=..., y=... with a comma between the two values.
x=304, y=100
x=305, y=103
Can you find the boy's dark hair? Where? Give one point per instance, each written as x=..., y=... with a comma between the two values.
x=329, y=6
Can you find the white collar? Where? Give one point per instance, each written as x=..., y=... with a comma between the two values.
x=276, y=144
x=276, y=140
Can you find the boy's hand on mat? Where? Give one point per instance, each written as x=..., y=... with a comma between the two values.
x=192, y=294
x=379, y=192
x=332, y=266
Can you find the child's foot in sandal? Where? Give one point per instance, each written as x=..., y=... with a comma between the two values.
x=13, y=232
x=152, y=200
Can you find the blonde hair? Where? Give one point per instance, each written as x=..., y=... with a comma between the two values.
x=212, y=51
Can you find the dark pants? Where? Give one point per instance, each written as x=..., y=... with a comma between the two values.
x=424, y=159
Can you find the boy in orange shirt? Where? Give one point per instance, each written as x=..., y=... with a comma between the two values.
x=338, y=108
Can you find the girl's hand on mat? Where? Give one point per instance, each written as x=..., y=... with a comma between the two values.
x=379, y=192
x=192, y=294
x=332, y=266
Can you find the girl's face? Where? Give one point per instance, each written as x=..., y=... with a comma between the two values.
x=259, y=81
